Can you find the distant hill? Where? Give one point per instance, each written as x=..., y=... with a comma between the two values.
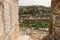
x=34, y=11
x=30, y=16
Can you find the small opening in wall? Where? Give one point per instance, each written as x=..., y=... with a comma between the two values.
x=34, y=18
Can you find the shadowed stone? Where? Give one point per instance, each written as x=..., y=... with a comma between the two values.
x=55, y=24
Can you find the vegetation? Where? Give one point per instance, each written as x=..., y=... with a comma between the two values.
x=35, y=23
x=35, y=12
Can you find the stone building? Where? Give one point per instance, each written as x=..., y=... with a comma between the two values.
x=9, y=26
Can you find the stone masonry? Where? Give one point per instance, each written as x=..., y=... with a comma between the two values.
x=9, y=27
x=54, y=29
x=56, y=18
x=9, y=24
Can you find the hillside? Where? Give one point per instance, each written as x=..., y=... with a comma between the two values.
x=34, y=11
x=34, y=16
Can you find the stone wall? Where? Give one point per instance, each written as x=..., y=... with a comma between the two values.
x=9, y=26
x=56, y=18
x=54, y=29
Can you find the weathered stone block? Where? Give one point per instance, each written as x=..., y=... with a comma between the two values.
x=9, y=24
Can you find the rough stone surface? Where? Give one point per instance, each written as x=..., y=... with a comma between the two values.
x=55, y=23
x=9, y=26
x=9, y=20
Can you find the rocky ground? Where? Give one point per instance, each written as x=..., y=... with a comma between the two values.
x=31, y=34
